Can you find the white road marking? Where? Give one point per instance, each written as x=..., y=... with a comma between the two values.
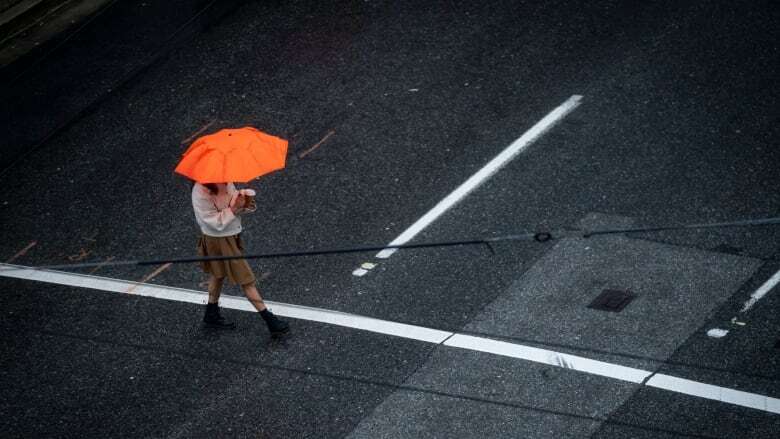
x=545, y=356
x=151, y=275
x=717, y=393
x=755, y=297
x=483, y=174
x=365, y=267
x=232, y=302
x=428, y=335
x=717, y=332
x=360, y=322
x=761, y=291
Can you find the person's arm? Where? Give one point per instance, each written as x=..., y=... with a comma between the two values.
x=207, y=212
x=237, y=200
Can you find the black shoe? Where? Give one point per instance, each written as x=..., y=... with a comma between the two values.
x=275, y=326
x=213, y=319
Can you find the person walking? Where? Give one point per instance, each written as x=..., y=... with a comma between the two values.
x=217, y=208
x=213, y=162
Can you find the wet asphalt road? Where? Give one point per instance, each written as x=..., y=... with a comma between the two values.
x=678, y=124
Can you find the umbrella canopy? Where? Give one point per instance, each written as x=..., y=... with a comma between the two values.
x=233, y=155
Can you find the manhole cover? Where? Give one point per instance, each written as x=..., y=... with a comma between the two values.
x=612, y=300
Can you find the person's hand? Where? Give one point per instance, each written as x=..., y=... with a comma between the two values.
x=238, y=203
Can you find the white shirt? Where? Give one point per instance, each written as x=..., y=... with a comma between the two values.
x=213, y=213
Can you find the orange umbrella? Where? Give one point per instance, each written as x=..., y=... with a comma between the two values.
x=232, y=155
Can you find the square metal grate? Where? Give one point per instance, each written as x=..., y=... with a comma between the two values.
x=612, y=300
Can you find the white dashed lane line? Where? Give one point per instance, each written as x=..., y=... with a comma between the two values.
x=755, y=297
x=480, y=177
x=761, y=292
x=419, y=333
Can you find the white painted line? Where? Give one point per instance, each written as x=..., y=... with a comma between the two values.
x=773, y=405
x=717, y=393
x=761, y=291
x=239, y=303
x=717, y=332
x=545, y=356
x=483, y=174
x=360, y=272
x=103, y=284
x=360, y=322
x=754, y=298
x=428, y=335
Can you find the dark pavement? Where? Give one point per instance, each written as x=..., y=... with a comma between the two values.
x=678, y=124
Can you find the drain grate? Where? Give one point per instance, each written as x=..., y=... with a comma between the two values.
x=777, y=344
x=612, y=300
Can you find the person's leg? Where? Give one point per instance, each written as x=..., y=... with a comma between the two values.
x=215, y=288
x=251, y=293
x=213, y=318
x=275, y=325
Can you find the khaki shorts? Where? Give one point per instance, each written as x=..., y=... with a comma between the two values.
x=236, y=270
